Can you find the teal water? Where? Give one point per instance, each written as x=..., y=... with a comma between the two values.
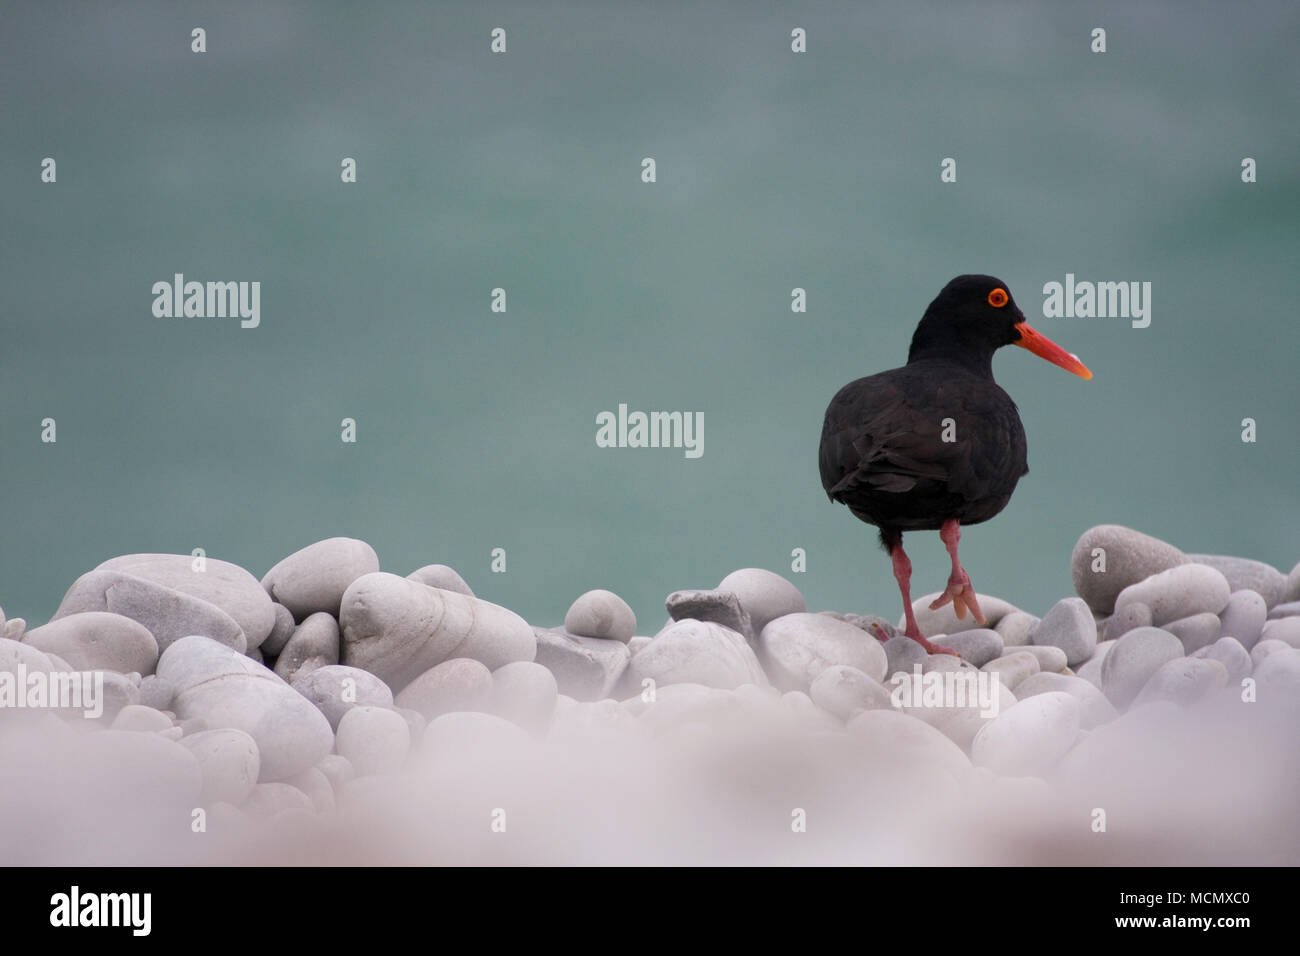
x=476, y=430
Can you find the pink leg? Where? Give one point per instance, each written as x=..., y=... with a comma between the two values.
x=959, y=591
x=903, y=574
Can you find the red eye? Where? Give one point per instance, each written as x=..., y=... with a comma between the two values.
x=998, y=298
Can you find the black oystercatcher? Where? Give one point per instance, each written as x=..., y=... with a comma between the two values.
x=937, y=443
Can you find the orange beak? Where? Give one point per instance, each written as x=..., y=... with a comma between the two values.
x=1045, y=348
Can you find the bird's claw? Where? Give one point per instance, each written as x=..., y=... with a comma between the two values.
x=962, y=595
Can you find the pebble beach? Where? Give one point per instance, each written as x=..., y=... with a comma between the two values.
x=332, y=712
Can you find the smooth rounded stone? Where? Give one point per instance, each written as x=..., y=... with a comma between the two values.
x=1030, y=737
x=601, y=614
x=961, y=724
x=945, y=662
x=314, y=644
x=1285, y=629
x=167, y=613
x=98, y=640
x=1130, y=556
x=843, y=691
x=314, y=578
x=1132, y=616
x=1091, y=671
x=1013, y=667
x=267, y=800
x=1289, y=609
x=1195, y=631
x=137, y=717
x=1292, y=590
x=1232, y=654
x=1070, y=626
x=697, y=652
x=1179, y=592
x=415, y=721
x=902, y=654
x=16, y=653
x=337, y=769
x=191, y=726
x=635, y=645
x=460, y=684
x=1134, y=658
x=1184, y=681
x=890, y=734
x=524, y=692
x=764, y=595
x=227, y=689
x=280, y=633
x=473, y=735
x=229, y=762
x=978, y=645
x=157, y=693
x=1015, y=628
x=1267, y=648
x=228, y=586
x=397, y=629
x=118, y=692
x=1277, y=676
x=1050, y=658
x=585, y=668
x=1247, y=574
x=58, y=663
x=720, y=607
x=678, y=704
x=441, y=576
x=255, y=654
x=1244, y=617
x=798, y=647
x=318, y=788
x=149, y=765
x=375, y=740
x=14, y=629
x=945, y=620
x=1094, y=708
x=335, y=689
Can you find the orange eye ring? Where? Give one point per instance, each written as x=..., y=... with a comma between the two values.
x=998, y=298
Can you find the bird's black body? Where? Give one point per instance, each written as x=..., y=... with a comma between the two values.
x=883, y=449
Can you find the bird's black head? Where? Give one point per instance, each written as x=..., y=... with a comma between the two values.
x=974, y=316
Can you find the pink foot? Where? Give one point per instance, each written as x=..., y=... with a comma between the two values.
x=962, y=595
x=915, y=635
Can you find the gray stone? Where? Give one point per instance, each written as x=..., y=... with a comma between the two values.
x=1244, y=617
x=601, y=614
x=1050, y=658
x=136, y=717
x=585, y=668
x=168, y=614
x=1015, y=629
x=943, y=663
x=1121, y=622
x=1285, y=629
x=441, y=576
x=337, y=770
x=1070, y=626
x=1030, y=737
x=978, y=645
x=157, y=693
x=1292, y=591
x=945, y=621
x=255, y=654
x=280, y=633
x=1183, y=680
x=1266, y=648
x=374, y=740
x=314, y=578
x=902, y=654
x=1134, y=658
x=524, y=693
x=228, y=690
x=720, y=607
x=398, y=629
x=764, y=595
x=1179, y=592
x=229, y=763
x=697, y=652
x=1130, y=556
x=1232, y=654
x=1013, y=667
x=1277, y=677
x=1246, y=574
x=14, y=628
x=335, y=689
x=459, y=684
x=1094, y=708
x=1091, y=671
x=119, y=692
x=1289, y=609
x=798, y=647
x=315, y=643
x=318, y=788
x=844, y=691
x=1195, y=631
x=226, y=585
x=634, y=645
x=415, y=721
x=267, y=800
x=98, y=640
